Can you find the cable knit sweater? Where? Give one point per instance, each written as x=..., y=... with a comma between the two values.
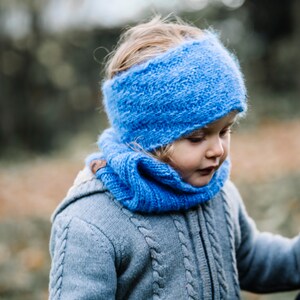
x=100, y=250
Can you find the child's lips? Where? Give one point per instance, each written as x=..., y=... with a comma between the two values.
x=208, y=170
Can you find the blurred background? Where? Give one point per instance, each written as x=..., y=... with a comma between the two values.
x=51, y=61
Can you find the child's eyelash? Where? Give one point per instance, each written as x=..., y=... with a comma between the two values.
x=198, y=139
x=195, y=139
x=226, y=130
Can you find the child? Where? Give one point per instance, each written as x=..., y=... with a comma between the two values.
x=154, y=215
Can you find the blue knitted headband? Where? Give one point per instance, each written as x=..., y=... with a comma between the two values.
x=171, y=95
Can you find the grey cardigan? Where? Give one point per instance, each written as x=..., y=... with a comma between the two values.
x=100, y=250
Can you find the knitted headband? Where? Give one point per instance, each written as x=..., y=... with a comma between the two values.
x=171, y=95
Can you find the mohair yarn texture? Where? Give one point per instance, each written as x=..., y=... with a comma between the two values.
x=142, y=183
x=171, y=95
x=157, y=102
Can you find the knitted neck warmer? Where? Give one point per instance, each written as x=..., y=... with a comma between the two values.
x=143, y=184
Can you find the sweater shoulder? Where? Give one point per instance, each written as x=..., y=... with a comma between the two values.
x=89, y=200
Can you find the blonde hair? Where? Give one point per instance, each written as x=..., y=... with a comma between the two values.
x=162, y=153
x=143, y=42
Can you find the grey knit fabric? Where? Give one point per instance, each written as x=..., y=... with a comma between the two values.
x=101, y=250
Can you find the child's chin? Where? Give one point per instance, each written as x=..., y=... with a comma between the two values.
x=200, y=182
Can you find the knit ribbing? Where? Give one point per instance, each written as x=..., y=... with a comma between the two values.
x=141, y=183
x=230, y=229
x=189, y=270
x=183, y=89
x=155, y=253
x=215, y=246
x=57, y=271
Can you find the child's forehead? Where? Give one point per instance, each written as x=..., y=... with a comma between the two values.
x=229, y=120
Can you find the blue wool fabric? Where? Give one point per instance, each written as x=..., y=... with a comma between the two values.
x=183, y=89
x=142, y=183
x=157, y=102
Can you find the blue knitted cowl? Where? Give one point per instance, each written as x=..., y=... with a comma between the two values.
x=157, y=102
x=141, y=183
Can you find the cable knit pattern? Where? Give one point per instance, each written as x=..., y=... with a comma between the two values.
x=183, y=89
x=155, y=253
x=230, y=229
x=57, y=271
x=141, y=183
x=166, y=256
x=211, y=228
x=190, y=277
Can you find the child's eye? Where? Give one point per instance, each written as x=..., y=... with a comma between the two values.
x=225, y=131
x=195, y=139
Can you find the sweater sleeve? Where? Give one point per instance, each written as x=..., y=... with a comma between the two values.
x=266, y=262
x=83, y=262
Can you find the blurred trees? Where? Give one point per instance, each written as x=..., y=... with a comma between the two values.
x=276, y=24
x=50, y=81
x=49, y=85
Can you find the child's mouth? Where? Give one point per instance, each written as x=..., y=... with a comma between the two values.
x=207, y=171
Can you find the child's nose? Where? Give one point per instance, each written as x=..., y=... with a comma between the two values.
x=215, y=148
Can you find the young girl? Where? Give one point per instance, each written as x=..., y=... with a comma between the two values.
x=154, y=215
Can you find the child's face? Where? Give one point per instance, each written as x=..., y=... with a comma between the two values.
x=197, y=156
